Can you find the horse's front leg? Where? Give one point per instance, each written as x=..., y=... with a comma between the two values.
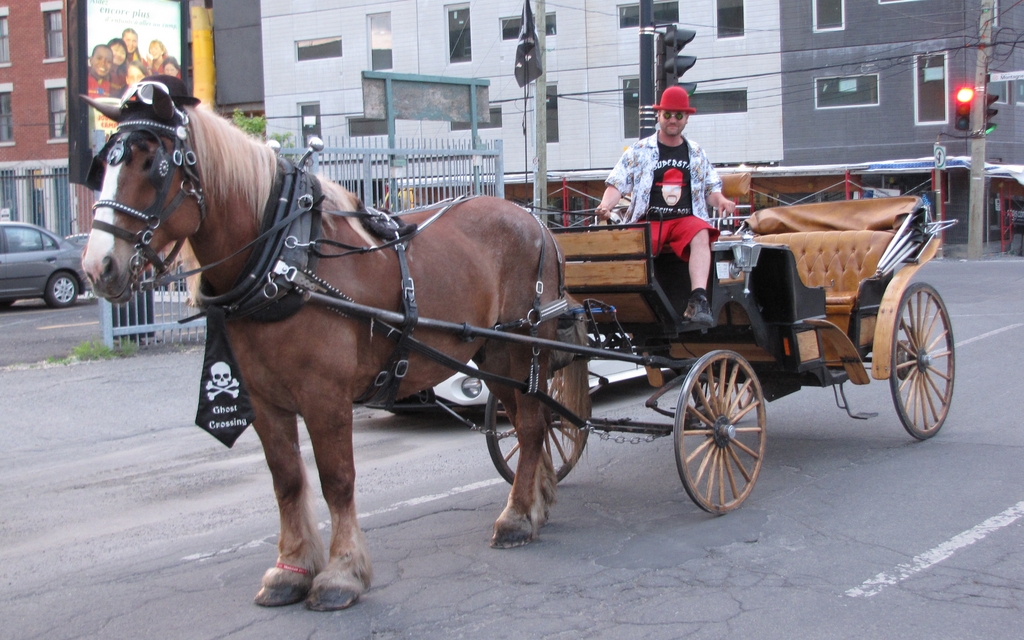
x=533, y=491
x=348, y=572
x=300, y=548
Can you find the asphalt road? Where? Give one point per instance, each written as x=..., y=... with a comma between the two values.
x=31, y=332
x=119, y=519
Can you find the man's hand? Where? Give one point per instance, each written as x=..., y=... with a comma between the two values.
x=608, y=202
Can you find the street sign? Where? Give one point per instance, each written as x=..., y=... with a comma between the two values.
x=1006, y=75
x=940, y=156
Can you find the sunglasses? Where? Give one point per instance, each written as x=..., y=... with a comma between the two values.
x=144, y=92
x=678, y=115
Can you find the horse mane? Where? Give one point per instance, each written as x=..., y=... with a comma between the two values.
x=233, y=167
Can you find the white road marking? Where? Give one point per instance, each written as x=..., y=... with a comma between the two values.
x=323, y=525
x=938, y=554
x=988, y=335
x=66, y=326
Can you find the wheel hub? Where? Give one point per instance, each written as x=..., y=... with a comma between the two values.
x=724, y=431
x=923, y=361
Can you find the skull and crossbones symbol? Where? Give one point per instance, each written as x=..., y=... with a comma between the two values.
x=223, y=381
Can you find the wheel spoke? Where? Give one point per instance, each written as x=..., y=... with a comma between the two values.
x=698, y=449
x=703, y=464
x=732, y=477
x=749, y=429
x=553, y=439
x=711, y=475
x=747, y=450
x=738, y=398
x=721, y=388
x=692, y=410
x=736, y=461
x=704, y=402
x=909, y=335
x=936, y=341
x=512, y=451
x=721, y=476
x=745, y=411
x=926, y=384
x=933, y=370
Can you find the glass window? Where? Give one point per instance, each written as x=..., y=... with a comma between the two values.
x=318, y=49
x=552, y=104
x=358, y=127
x=310, y=116
x=5, y=47
x=998, y=89
x=510, y=27
x=1019, y=85
x=23, y=240
x=931, y=88
x=709, y=102
x=730, y=18
x=54, y=29
x=664, y=13
x=631, y=107
x=58, y=99
x=6, y=118
x=495, y=122
x=828, y=15
x=380, y=41
x=850, y=91
x=459, y=49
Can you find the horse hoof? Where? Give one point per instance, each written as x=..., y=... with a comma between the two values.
x=509, y=537
x=280, y=595
x=331, y=599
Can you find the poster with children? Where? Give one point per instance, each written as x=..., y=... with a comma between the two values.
x=127, y=41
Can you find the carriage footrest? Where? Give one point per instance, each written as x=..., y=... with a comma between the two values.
x=846, y=405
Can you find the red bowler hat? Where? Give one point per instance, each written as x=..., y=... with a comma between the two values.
x=675, y=99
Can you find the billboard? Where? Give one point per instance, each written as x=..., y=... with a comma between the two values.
x=113, y=45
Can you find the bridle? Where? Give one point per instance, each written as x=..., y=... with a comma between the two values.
x=161, y=175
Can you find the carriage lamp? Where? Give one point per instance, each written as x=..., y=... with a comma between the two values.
x=472, y=387
x=744, y=259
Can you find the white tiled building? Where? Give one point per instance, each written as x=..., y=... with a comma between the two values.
x=314, y=53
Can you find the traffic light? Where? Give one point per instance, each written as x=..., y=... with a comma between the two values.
x=964, y=100
x=670, y=64
x=989, y=112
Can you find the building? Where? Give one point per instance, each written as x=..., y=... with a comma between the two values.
x=33, y=114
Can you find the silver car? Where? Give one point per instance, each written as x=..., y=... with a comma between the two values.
x=35, y=263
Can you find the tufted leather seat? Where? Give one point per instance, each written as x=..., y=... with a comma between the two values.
x=837, y=261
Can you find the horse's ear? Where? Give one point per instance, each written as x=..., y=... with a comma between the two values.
x=110, y=110
x=163, y=105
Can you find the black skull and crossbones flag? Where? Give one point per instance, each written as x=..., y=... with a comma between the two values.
x=224, y=407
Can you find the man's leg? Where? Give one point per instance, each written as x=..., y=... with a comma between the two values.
x=697, y=309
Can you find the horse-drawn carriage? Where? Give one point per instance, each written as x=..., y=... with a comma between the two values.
x=806, y=295
x=321, y=313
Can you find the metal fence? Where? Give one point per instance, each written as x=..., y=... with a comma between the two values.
x=42, y=196
x=418, y=174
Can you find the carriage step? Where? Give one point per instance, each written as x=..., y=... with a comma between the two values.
x=846, y=405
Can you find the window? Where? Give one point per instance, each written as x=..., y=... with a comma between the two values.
x=318, y=49
x=631, y=107
x=310, y=117
x=931, y=88
x=380, y=41
x=53, y=28
x=999, y=89
x=828, y=15
x=358, y=127
x=664, y=13
x=850, y=91
x=459, y=49
x=58, y=99
x=23, y=240
x=709, y=102
x=6, y=118
x=552, y=110
x=510, y=27
x=495, y=122
x=5, y=47
x=1019, y=85
x=730, y=18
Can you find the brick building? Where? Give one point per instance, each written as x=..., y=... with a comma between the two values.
x=33, y=114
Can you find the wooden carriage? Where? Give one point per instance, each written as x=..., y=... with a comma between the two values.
x=806, y=295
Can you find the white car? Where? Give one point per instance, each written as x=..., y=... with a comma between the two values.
x=462, y=390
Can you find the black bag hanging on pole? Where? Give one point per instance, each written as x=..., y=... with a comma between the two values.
x=224, y=407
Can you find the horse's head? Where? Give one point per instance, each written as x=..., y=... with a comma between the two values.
x=150, y=196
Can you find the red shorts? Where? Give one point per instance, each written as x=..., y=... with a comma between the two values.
x=678, y=233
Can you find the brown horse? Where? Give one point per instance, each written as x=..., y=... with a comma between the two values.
x=477, y=263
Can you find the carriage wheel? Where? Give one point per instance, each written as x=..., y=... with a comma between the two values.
x=720, y=431
x=922, y=367
x=563, y=442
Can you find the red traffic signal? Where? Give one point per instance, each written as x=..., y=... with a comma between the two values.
x=964, y=100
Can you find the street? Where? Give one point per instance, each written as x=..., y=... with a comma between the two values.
x=121, y=519
x=31, y=332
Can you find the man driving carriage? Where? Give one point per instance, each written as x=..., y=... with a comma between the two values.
x=665, y=173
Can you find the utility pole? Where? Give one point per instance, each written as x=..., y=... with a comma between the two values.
x=540, y=103
x=647, y=97
x=976, y=218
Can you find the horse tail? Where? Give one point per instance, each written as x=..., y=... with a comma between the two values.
x=570, y=384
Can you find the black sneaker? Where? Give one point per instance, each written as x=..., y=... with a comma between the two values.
x=698, y=311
